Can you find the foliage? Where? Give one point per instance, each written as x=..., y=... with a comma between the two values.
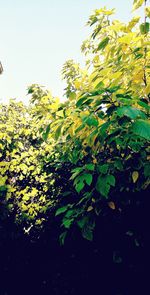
x=24, y=186
x=104, y=130
x=88, y=155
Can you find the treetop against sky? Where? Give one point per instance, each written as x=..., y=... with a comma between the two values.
x=37, y=37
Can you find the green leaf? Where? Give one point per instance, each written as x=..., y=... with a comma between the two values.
x=103, y=43
x=87, y=228
x=144, y=105
x=58, y=132
x=77, y=169
x=83, y=100
x=70, y=213
x=87, y=233
x=83, y=221
x=137, y=49
x=67, y=193
x=3, y=188
x=97, y=92
x=74, y=175
x=94, y=20
x=90, y=167
x=79, y=181
x=88, y=178
x=118, y=164
x=48, y=129
x=102, y=186
x=61, y=210
x=130, y=112
x=87, y=225
x=138, y=56
x=91, y=121
x=147, y=170
x=79, y=186
x=62, y=238
x=80, y=128
x=111, y=180
x=76, y=172
x=104, y=127
x=45, y=134
x=113, y=89
x=67, y=222
x=141, y=128
x=91, y=138
x=103, y=168
x=144, y=28
x=86, y=197
x=72, y=96
x=99, y=86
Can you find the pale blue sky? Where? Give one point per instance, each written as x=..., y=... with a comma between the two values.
x=38, y=36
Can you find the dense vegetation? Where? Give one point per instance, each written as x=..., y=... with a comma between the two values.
x=83, y=164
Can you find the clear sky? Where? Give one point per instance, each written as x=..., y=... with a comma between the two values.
x=38, y=36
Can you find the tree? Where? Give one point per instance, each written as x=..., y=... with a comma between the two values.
x=104, y=127
x=89, y=154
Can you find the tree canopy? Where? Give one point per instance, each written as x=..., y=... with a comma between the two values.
x=89, y=155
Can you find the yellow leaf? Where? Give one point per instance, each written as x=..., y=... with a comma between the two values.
x=135, y=176
x=77, y=84
x=104, y=11
x=126, y=39
x=115, y=75
x=147, y=89
x=147, y=11
x=137, y=4
x=94, y=161
x=133, y=22
x=112, y=205
x=105, y=72
x=93, y=200
x=90, y=208
x=138, y=77
x=72, y=96
x=3, y=180
x=20, y=145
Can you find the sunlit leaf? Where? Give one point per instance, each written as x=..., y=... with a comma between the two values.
x=135, y=176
